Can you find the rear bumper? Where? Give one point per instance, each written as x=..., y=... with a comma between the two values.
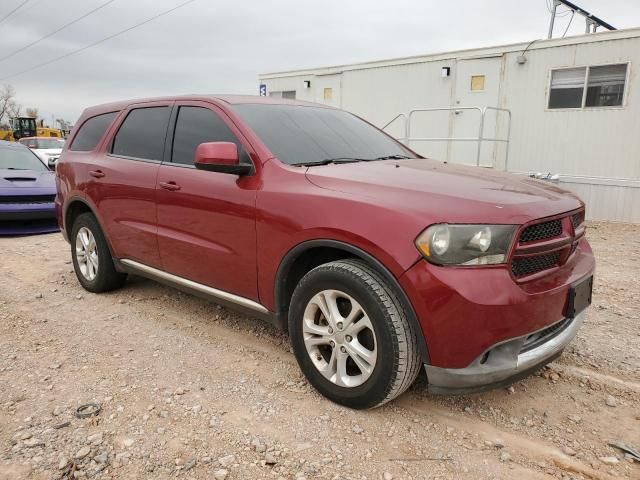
x=505, y=362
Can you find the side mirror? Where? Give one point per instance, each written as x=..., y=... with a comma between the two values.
x=220, y=157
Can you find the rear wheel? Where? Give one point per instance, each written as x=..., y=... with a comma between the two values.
x=91, y=256
x=351, y=336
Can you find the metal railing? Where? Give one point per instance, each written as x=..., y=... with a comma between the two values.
x=400, y=115
x=479, y=139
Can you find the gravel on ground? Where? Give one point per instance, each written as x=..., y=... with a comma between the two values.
x=190, y=389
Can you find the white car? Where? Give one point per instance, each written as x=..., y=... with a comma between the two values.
x=47, y=148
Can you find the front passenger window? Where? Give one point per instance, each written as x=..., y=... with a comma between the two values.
x=196, y=125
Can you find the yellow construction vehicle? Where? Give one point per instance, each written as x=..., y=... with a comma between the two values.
x=49, y=132
x=20, y=127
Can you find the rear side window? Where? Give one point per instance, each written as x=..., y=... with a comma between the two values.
x=91, y=132
x=196, y=125
x=142, y=134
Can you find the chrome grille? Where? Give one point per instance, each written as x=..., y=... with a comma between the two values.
x=541, y=231
x=521, y=267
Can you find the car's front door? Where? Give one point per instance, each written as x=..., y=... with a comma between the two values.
x=206, y=220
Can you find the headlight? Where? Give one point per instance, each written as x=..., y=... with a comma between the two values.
x=445, y=244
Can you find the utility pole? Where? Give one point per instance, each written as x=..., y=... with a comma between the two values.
x=554, y=10
x=591, y=20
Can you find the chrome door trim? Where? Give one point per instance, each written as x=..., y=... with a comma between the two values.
x=213, y=292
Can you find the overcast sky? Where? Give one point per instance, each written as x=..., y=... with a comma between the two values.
x=212, y=46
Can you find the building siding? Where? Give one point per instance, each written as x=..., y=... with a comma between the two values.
x=596, y=151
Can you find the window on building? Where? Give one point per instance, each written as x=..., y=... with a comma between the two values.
x=196, y=125
x=598, y=86
x=290, y=94
x=142, y=134
x=605, y=87
x=91, y=132
x=567, y=88
x=477, y=83
x=328, y=94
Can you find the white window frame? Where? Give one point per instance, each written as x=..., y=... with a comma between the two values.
x=583, y=106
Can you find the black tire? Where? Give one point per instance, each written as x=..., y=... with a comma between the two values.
x=106, y=278
x=398, y=361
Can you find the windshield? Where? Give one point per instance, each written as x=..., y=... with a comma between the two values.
x=311, y=135
x=13, y=158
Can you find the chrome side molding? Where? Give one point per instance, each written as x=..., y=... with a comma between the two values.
x=151, y=272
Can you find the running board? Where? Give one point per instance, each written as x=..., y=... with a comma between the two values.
x=165, y=277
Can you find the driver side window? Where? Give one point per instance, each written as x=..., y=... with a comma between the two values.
x=196, y=125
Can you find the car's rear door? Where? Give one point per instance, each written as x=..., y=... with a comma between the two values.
x=206, y=220
x=124, y=181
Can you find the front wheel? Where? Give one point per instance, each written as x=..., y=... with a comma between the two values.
x=351, y=336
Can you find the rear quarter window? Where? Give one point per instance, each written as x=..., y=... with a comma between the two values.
x=91, y=132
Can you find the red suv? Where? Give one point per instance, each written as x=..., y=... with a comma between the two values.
x=377, y=261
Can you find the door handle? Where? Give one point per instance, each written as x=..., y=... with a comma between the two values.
x=96, y=173
x=171, y=186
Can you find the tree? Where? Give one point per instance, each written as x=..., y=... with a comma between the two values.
x=64, y=124
x=9, y=108
x=32, y=112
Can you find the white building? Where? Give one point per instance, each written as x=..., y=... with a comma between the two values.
x=574, y=105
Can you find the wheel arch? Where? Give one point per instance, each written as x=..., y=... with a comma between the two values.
x=76, y=207
x=309, y=254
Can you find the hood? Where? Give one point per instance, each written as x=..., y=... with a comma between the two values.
x=11, y=179
x=45, y=153
x=447, y=192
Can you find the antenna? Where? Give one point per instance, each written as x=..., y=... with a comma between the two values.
x=591, y=20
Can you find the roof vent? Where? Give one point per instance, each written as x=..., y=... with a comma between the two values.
x=20, y=179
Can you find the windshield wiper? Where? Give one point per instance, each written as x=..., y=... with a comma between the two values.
x=328, y=161
x=393, y=157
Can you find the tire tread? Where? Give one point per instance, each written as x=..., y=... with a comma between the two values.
x=108, y=277
x=409, y=364
x=406, y=355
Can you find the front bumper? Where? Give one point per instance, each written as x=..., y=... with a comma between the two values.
x=506, y=362
x=28, y=219
x=464, y=312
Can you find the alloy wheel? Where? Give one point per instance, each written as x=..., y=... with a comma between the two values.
x=87, y=253
x=339, y=338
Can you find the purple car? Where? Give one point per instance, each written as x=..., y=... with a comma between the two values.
x=27, y=192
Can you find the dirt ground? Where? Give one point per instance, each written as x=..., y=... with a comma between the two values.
x=190, y=389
